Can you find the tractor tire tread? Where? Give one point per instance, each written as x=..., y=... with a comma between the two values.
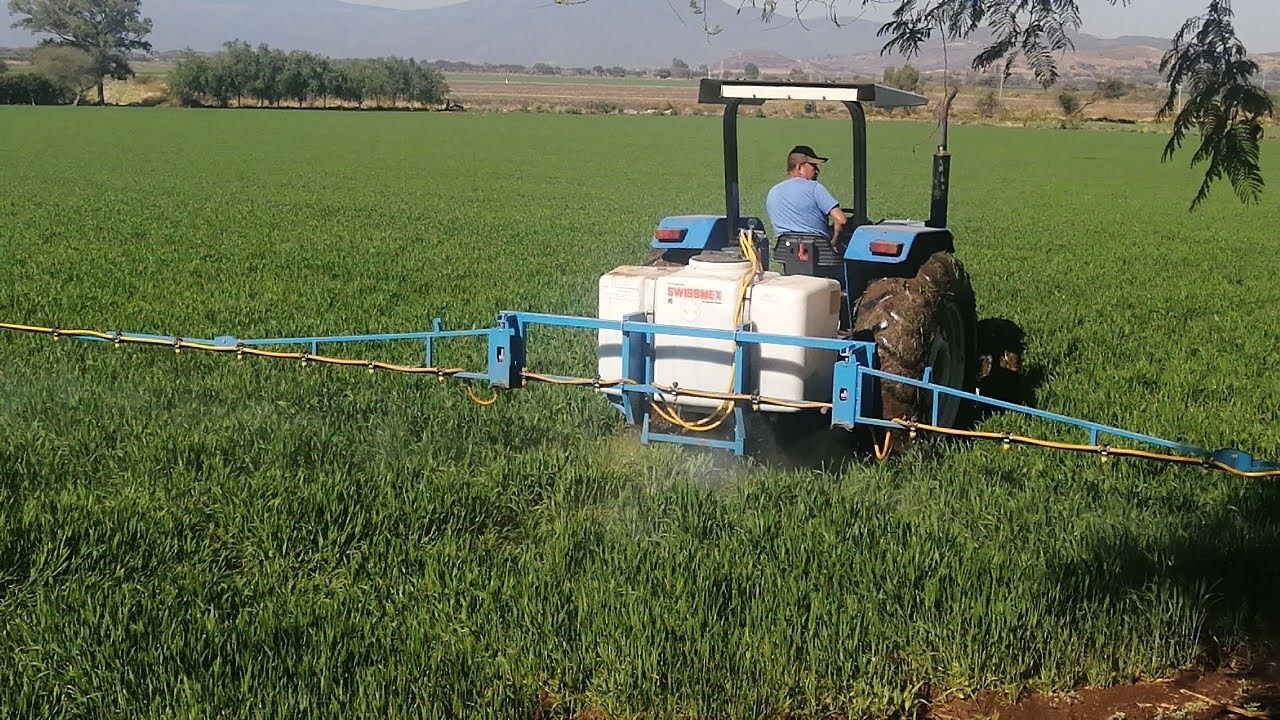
x=901, y=314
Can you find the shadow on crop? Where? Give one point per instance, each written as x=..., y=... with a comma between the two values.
x=1222, y=560
x=1003, y=372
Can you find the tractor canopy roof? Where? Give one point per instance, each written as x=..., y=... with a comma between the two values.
x=754, y=92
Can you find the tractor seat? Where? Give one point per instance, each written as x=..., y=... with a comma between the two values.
x=802, y=254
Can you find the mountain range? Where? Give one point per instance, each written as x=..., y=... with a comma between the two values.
x=633, y=33
x=640, y=33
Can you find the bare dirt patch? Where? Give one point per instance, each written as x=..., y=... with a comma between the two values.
x=1250, y=691
x=517, y=95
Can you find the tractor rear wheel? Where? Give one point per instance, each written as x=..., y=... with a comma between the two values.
x=929, y=320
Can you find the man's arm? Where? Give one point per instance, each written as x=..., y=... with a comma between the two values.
x=838, y=221
x=824, y=199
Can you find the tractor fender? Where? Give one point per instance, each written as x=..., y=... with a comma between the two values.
x=680, y=237
x=890, y=250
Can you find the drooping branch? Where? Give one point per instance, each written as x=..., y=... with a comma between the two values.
x=1209, y=61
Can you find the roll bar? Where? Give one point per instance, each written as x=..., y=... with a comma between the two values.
x=735, y=93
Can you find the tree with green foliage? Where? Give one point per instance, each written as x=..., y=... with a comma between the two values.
x=268, y=66
x=1112, y=88
x=1070, y=104
x=28, y=88
x=1226, y=106
x=428, y=86
x=298, y=77
x=751, y=71
x=271, y=76
x=185, y=81
x=68, y=66
x=241, y=65
x=376, y=83
x=988, y=104
x=4, y=67
x=325, y=80
x=904, y=78
x=108, y=30
x=349, y=86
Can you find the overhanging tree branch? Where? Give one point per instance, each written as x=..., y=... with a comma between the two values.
x=1208, y=60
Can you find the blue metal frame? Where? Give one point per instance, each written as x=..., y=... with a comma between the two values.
x=853, y=391
x=859, y=247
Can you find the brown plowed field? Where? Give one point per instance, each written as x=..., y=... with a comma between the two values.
x=654, y=96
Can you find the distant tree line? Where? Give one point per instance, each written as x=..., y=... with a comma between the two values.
x=272, y=77
x=55, y=75
x=27, y=88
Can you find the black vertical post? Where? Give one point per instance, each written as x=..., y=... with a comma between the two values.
x=941, y=193
x=731, y=200
x=941, y=188
x=859, y=164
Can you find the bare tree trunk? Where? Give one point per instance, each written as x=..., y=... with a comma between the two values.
x=102, y=95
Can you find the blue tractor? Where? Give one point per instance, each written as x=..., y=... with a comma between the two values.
x=901, y=284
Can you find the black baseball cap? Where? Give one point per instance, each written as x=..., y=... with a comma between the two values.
x=808, y=152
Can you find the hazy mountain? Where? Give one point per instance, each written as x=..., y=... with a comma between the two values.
x=604, y=32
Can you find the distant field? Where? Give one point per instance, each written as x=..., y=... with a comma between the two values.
x=191, y=536
x=569, y=80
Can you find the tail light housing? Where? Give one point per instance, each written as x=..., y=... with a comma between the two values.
x=886, y=248
x=672, y=235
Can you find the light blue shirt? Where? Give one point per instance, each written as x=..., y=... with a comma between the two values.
x=800, y=206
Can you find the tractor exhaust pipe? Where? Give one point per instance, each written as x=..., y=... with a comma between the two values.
x=941, y=193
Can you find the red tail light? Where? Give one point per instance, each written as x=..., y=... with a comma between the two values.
x=802, y=252
x=885, y=248
x=669, y=234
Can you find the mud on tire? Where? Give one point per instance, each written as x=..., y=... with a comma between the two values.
x=910, y=320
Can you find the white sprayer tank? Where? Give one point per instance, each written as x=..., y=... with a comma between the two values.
x=705, y=294
x=623, y=291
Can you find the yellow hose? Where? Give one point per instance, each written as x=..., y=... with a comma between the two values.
x=725, y=408
x=1104, y=451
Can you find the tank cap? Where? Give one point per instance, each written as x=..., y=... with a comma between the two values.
x=728, y=255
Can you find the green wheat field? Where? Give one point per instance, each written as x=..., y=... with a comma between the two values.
x=191, y=536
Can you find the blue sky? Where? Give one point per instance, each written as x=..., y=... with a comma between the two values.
x=1257, y=21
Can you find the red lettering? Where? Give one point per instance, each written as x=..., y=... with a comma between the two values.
x=702, y=294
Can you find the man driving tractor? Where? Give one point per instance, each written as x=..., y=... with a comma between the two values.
x=800, y=205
